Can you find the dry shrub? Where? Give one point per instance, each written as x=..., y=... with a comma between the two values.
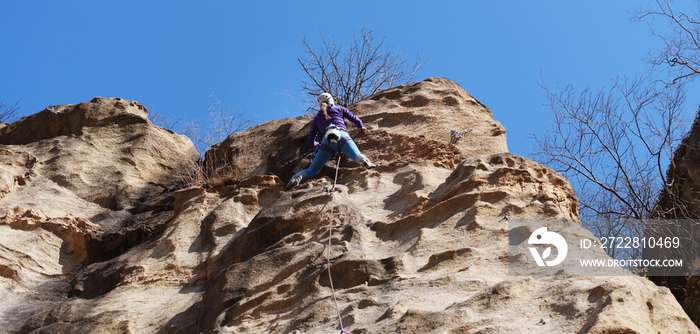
x=223, y=121
x=217, y=172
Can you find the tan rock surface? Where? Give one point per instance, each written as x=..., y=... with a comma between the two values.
x=432, y=109
x=105, y=152
x=419, y=244
x=78, y=184
x=685, y=179
x=413, y=119
x=682, y=201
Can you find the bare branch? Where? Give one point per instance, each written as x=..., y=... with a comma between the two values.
x=680, y=56
x=614, y=143
x=8, y=114
x=222, y=123
x=363, y=67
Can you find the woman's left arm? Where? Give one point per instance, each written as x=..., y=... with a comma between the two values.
x=356, y=120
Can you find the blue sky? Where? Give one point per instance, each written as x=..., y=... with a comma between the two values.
x=171, y=55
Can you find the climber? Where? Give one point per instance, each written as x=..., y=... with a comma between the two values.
x=330, y=124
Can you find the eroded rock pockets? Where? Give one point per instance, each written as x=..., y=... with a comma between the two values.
x=104, y=151
x=433, y=108
x=372, y=257
x=100, y=160
x=204, y=222
x=81, y=184
x=417, y=245
x=477, y=183
x=444, y=271
x=68, y=119
x=35, y=245
x=164, y=275
x=16, y=168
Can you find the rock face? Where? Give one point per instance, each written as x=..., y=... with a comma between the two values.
x=414, y=120
x=79, y=184
x=417, y=245
x=682, y=201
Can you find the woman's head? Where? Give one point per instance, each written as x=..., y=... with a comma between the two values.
x=323, y=101
x=325, y=97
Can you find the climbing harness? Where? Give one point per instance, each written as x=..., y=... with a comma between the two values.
x=327, y=148
x=342, y=142
x=332, y=135
x=330, y=150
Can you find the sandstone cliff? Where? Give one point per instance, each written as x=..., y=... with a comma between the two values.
x=95, y=238
x=681, y=200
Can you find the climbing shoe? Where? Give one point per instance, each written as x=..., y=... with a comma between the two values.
x=296, y=180
x=293, y=182
x=368, y=164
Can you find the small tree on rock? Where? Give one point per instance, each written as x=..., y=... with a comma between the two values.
x=354, y=71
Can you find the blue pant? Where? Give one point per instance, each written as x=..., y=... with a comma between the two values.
x=322, y=156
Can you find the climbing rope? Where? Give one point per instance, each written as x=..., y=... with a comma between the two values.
x=330, y=237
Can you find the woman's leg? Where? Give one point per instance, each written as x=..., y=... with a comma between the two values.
x=350, y=149
x=322, y=156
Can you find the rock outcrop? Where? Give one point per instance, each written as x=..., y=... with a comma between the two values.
x=80, y=184
x=681, y=200
x=412, y=122
x=417, y=245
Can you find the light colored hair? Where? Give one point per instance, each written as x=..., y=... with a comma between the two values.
x=324, y=109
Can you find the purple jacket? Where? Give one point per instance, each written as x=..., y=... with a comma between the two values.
x=337, y=114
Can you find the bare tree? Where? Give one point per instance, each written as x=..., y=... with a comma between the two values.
x=222, y=122
x=352, y=72
x=620, y=149
x=615, y=145
x=680, y=55
x=677, y=62
x=8, y=114
x=178, y=124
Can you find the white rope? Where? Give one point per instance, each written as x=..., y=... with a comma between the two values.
x=330, y=237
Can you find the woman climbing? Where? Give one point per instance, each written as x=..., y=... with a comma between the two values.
x=330, y=123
